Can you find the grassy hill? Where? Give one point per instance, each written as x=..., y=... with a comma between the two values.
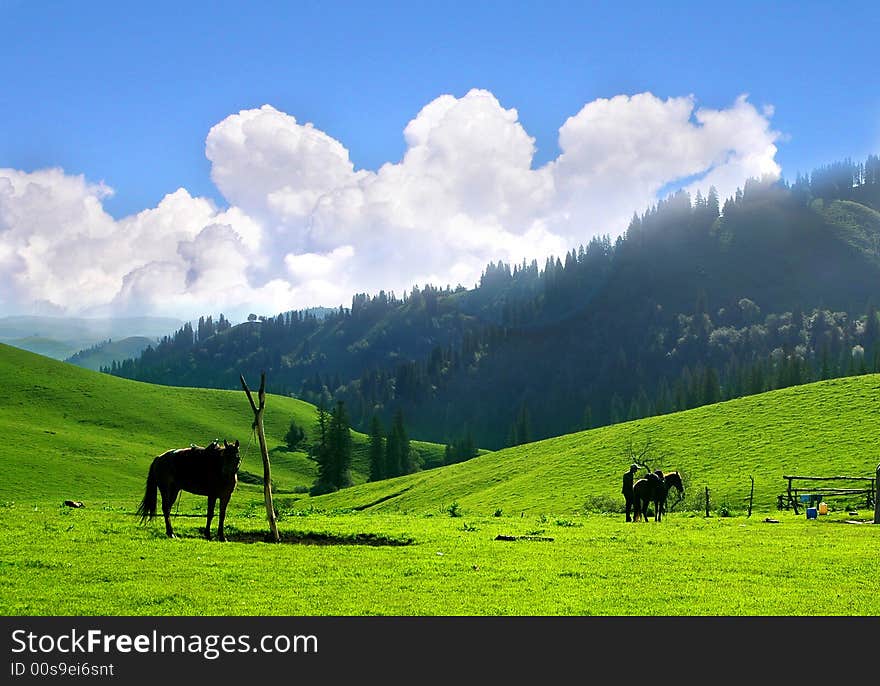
x=74, y=433
x=105, y=353
x=822, y=429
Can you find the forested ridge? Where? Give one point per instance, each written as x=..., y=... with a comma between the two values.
x=702, y=299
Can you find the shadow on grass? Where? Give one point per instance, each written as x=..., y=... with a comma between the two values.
x=318, y=538
x=296, y=537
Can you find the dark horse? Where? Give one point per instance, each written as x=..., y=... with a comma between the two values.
x=211, y=471
x=655, y=488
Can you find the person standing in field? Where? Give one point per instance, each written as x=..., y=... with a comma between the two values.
x=628, y=490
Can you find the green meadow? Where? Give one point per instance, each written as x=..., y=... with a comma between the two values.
x=427, y=543
x=72, y=433
x=823, y=429
x=98, y=561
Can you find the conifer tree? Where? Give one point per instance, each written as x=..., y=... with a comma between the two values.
x=333, y=453
x=339, y=434
x=825, y=371
x=294, y=436
x=711, y=387
x=377, y=451
x=403, y=457
x=322, y=422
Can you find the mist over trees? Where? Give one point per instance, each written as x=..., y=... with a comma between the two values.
x=701, y=300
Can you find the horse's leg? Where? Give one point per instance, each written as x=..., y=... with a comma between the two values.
x=224, y=501
x=211, y=500
x=169, y=495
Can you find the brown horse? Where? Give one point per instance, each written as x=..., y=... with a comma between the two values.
x=211, y=471
x=655, y=488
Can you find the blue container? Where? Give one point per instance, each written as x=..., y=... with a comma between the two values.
x=812, y=513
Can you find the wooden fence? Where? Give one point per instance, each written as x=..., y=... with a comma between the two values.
x=812, y=489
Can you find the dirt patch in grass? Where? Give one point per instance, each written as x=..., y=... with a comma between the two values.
x=318, y=538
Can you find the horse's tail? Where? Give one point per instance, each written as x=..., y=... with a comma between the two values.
x=147, y=509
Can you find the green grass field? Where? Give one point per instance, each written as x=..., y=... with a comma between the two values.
x=822, y=429
x=393, y=547
x=96, y=561
x=72, y=433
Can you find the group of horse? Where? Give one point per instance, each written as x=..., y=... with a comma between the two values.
x=654, y=488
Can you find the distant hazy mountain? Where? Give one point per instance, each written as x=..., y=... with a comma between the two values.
x=62, y=337
x=105, y=353
x=43, y=346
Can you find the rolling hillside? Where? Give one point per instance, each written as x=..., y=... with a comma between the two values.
x=821, y=429
x=700, y=300
x=74, y=433
x=105, y=353
x=71, y=433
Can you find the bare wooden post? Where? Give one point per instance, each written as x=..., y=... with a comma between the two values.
x=877, y=496
x=258, y=425
x=707, y=501
x=751, y=495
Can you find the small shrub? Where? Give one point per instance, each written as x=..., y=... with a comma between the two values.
x=310, y=510
x=604, y=503
x=694, y=500
x=295, y=436
x=454, y=510
x=468, y=527
x=321, y=487
x=497, y=513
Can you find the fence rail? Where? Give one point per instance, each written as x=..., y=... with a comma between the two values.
x=793, y=493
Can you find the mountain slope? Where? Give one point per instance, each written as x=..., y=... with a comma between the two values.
x=827, y=428
x=105, y=353
x=61, y=337
x=695, y=301
x=74, y=433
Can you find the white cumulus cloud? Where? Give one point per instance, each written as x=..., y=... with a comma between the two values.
x=302, y=227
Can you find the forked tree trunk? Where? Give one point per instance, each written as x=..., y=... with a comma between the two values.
x=267, y=472
x=751, y=495
x=877, y=496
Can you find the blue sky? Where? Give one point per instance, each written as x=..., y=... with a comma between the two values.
x=126, y=93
